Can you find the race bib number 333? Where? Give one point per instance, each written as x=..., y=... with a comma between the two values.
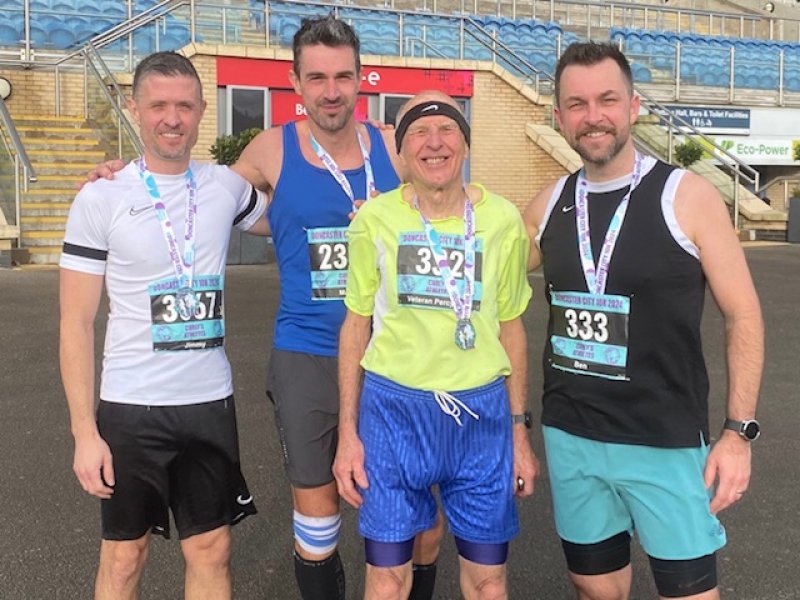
x=590, y=333
x=204, y=329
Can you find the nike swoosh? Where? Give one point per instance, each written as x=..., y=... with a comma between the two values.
x=431, y=107
x=244, y=501
x=137, y=211
x=566, y=209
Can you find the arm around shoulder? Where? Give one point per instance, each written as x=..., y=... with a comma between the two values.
x=533, y=217
x=261, y=160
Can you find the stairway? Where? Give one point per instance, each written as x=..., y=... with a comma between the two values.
x=61, y=150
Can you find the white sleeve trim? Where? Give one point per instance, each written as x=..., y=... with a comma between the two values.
x=559, y=187
x=668, y=210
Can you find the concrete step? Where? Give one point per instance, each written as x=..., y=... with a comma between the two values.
x=55, y=131
x=49, y=119
x=35, y=209
x=38, y=143
x=44, y=255
x=42, y=237
x=66, y=153
x=70, y=168
x=47, y=222
x=36, y=194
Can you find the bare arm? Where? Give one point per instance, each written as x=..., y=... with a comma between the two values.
x=704, y=218
x=533, y=215
x=514, y=341
x=348, y=468
x=80, y=298
x=260, y=163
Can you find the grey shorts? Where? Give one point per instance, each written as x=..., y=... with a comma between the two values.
x=304, y=389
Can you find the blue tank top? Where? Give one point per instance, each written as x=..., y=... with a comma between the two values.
x=307, y=202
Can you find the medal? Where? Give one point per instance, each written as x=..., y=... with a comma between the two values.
x=186, y=303
x=465, y=333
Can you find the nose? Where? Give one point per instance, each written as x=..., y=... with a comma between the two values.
x=172, y=116
x=434, y=138
x=331, y=89
x=593, y=113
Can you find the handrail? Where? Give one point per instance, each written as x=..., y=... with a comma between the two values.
x=121, y=117
x=8, y=122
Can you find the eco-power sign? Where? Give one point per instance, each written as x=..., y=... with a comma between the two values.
x=761, y=151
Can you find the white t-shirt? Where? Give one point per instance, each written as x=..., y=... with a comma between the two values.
x=152, y=355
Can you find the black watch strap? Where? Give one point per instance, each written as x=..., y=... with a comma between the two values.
x=523, y=419
x=749, y=430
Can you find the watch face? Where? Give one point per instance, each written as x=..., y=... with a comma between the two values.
x=751, y=430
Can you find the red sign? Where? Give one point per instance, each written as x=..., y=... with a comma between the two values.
x=287, y=106
x=374, y=80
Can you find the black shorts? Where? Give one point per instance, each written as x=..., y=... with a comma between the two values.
x=304, y=389
x=184, y=458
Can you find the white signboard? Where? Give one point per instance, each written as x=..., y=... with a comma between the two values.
x=761, y=151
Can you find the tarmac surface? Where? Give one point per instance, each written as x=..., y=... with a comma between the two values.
x=49, y=528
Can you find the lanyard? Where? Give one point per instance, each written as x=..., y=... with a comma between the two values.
x=184, y=266
x=337, y=173
x=462, y=304
x=596, y=278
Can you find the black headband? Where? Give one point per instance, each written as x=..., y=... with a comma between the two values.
x=428, y=109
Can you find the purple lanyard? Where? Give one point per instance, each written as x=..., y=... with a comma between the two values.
x=596, y=278
x=184, y=266
x=337, y=173
x=462, y=305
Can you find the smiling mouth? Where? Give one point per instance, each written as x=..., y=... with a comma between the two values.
x=434, y=160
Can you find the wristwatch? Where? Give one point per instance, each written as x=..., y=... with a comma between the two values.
x=749, y=430
x=523, y=419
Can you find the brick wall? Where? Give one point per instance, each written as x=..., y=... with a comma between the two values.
x=34, y=92
x=502, y=156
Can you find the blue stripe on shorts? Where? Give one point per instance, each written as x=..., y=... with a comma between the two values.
x=410, y=444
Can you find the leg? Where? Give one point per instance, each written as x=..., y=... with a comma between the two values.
x=388, y=583
x=318, y=568
x=426, y=551
x=121, y=566
x=482, y=582
x=208, y=569
x=608, y=586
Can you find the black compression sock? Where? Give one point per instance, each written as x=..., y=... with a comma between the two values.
x=423, y=582
x=320, y=579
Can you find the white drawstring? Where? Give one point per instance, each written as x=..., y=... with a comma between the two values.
x=452, y=406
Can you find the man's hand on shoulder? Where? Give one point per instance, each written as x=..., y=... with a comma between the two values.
x=104, y=170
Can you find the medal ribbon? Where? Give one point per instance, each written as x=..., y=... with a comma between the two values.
x=184, y=266
x=339, y=175
x=462, y=304
x=596, y=278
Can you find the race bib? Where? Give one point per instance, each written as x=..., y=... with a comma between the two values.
x=419, y=281
x=327, y=249
x=590, y=334
x=203, y=329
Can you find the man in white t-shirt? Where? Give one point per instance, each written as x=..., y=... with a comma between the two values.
x=163, y=436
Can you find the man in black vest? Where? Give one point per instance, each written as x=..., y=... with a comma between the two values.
x=628, y=245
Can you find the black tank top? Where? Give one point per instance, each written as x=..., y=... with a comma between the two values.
x=664, y=401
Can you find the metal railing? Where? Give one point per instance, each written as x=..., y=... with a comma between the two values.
x=17, y=166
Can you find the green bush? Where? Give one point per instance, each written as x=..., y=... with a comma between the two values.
x=227, y=148
x=688, y=153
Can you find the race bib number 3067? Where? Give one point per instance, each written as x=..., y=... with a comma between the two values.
x=590, y=333
x=205, y=328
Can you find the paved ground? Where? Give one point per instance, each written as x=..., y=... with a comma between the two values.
x=49, y=527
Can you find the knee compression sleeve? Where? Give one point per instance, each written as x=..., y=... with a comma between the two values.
x=681, y=578
x=597, y=559
x=317, y=535
x=320, y=579
x=388, y=554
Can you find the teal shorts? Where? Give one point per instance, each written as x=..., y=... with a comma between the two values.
x=602, y=489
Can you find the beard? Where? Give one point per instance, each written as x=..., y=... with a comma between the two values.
x=600, y=156
x=331, y=123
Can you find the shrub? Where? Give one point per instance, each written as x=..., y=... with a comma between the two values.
x=688, y=153
x=227, y=148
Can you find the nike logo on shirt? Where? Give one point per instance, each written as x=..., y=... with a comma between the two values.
x=566, y=209
x=137, y=211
